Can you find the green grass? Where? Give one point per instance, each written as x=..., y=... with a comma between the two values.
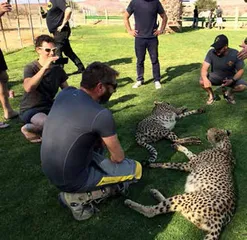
x=28, y=203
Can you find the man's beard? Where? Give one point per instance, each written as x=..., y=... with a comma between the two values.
x=105, y=98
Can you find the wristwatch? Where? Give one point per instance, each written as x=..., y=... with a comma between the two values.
x=234, y=80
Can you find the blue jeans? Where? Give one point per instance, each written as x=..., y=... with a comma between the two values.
x=150, y=44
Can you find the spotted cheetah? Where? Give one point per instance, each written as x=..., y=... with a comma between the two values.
x=159, y=125
x=209, y=198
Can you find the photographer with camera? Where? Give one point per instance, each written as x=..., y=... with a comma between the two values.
x=57, y=20
x=42, y=79
x=9, y=113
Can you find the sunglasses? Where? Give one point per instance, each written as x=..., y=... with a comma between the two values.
x=48, y=50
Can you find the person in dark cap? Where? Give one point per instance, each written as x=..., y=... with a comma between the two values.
x=226, y=71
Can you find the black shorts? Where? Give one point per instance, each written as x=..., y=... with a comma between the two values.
x=3, y=65
x=28, y=114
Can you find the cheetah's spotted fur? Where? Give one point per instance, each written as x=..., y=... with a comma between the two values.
x=159, y=125
x=209, y=199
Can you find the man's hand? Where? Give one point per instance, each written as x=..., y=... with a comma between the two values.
x=227, y=82
x=49, y=61
x=243, y=53
x=59, y=29
x=4, y=7
x=158, y=32
x=133, y=33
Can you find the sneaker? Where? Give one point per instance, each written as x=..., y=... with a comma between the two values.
x=157, y=85
x=80, y=212
x=137, y=84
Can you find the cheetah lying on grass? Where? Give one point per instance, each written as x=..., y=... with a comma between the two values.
x=159, y=125
x=208, y=201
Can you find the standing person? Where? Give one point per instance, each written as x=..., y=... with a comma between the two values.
x=146, y=34
x=8, y=112
x=57, y=19
x=195, y=18
x=75, y=131
x=219, y=19
x=226, y=70
x=42, y=80
x=211, y=18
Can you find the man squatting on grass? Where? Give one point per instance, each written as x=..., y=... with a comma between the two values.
x=42, y=80
x=74, y=134
x=4, y=92
x=226, y=70
x=146, y=34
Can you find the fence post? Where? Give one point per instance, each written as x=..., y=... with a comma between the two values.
x=5, y=42
x=236, y=17
x=31, y=21
x=40, y=18
x=18, y=23
x=106, y=16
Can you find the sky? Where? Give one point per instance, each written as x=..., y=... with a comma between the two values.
x=34, y=1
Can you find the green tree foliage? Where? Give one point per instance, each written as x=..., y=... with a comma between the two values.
x=204, y=5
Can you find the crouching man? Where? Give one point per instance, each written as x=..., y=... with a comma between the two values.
x=74, y=134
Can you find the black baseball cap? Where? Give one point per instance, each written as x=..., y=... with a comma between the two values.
x=220, y=41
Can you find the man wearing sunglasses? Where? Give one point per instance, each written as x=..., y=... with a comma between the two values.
x=226, y=71
x=42, y=80
x=57, y=20
x=75, y=134
x=4, y=92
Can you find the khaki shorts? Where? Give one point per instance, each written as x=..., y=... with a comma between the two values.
x=4, y=77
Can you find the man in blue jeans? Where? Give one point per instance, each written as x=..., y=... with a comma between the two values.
x=76, y=130
x=146, y=34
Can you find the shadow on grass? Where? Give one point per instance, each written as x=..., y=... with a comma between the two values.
x=119, y=61
x=189, y=29
x=122, y=99
x=14, y=83
x=176, y=71
x=124, y=81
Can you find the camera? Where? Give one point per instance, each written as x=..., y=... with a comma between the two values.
x=61, y=61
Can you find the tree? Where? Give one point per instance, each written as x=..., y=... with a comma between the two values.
x=204, y=5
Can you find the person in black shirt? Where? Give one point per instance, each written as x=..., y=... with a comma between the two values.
x=195, y=18
x=42, y=80
x=57, y=19
x=146, y=34
x=4, y=93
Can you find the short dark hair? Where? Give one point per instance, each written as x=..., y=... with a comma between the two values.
x=97, y=72
x=43, y=38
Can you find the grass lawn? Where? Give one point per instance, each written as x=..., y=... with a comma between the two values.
x=28, y=205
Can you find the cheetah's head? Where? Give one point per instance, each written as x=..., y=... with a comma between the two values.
x=215, y=135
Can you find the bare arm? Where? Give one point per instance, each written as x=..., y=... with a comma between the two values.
x=114, y=147
x=163, y=24
x=204, y=73
x=67, y=15
x=243, y=53
x=4, y=7
x=30, y=84
x=127, y=25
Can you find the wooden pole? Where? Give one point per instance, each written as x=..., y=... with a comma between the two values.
x=236, y=17
x=31, y=21
x=18, y=23
x=106, y=16
x=4, y=38
x=40, y=18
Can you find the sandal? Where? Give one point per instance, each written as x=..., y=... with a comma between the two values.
x=210, y=101
x=3, y=125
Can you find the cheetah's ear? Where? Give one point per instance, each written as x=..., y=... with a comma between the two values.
x=228, y=132
x=156, y=103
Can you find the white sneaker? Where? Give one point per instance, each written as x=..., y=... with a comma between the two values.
x=137, y=84
x=157, y=85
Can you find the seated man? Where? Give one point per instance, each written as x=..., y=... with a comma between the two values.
x=226, y=70
x=42, y=80
x=75, y=131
